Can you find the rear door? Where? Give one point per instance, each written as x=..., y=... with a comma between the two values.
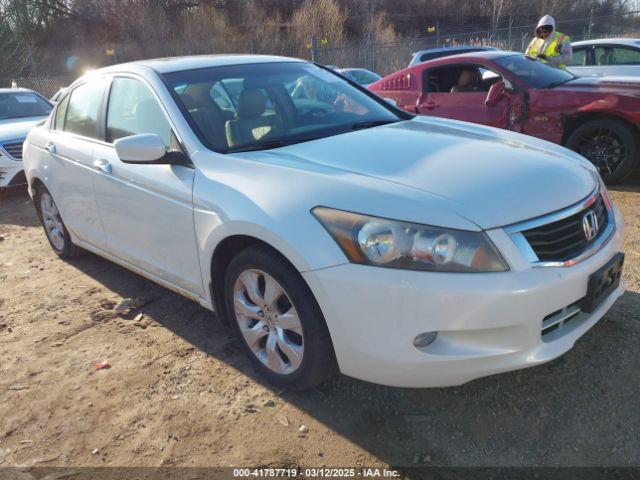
x=438, y=99
x=76, y=133
x=147, y=210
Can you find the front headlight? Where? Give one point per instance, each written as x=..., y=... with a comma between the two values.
x=394, y=244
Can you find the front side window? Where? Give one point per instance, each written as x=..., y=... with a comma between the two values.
x=83, y=111
x=133, y=110
x=258, y=106
x=22, y=104
x=534, y=72
x=579, y=57
x=467, y=78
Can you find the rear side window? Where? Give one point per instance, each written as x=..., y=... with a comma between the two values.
x=617, y=56
x=83, y=110
x=133, y=110
x=61, y=111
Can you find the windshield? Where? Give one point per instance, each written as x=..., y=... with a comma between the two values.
x=363, y=77
x=268, y=105
x=22, y=104
x=535, y=73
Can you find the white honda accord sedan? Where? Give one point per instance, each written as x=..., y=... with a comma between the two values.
x=333, y=233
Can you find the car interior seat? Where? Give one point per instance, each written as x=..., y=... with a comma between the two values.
x=210, y=120
x=250, y=123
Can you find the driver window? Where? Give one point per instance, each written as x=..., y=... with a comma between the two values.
x=579, y=57
x=133, y=110
x=459, y=79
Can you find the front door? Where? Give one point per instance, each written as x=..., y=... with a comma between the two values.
x=460, y=92
x=147, y=210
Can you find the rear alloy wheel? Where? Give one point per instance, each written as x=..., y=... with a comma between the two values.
x=278, y=320
x=610, y=144
x=54, y=227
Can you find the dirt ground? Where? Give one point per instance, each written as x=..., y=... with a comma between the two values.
x=180, y=391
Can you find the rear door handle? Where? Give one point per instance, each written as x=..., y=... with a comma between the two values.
x=430, y=105
x=50, y=147
x=103, y=166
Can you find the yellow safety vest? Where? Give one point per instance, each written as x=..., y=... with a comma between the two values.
x=554, y=48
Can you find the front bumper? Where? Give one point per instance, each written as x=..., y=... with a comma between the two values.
x=487, y=323
x=10, y=173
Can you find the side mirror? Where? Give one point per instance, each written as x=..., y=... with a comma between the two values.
x=391, y=101
x=496, y=92
x=145, y=148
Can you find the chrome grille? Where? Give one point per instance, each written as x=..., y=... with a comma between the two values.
x=564, y=239
x=14, y=149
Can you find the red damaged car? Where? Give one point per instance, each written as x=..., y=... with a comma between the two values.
x=597, y=117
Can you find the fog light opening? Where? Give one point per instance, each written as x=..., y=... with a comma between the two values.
x=424, y=339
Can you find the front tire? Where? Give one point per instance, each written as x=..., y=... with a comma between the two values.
x=54, y=227
x=278, y=320
x=610, y=144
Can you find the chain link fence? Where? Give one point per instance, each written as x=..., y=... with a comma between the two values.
x=47, y=86
x=388, y=57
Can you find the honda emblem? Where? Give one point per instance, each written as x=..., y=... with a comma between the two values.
x=590, y=225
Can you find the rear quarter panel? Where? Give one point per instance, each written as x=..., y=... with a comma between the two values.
x=404, y=87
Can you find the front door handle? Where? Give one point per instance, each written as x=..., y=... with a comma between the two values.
x=50, y=147
x=103, y=165
x=430, y=105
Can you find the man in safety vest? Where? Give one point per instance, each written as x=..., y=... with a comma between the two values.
x=550, y=45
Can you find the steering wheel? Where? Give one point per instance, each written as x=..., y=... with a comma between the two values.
x=315, y=112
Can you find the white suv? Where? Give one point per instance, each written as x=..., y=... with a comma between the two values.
x=332, y=232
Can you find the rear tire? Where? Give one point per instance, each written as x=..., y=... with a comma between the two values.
x=284, y=332
x=610, y=144
x=54, y=227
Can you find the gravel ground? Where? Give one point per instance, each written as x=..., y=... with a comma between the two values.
x=181, y=392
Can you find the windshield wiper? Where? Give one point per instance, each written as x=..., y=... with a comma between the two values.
x=372, y=123
x=558, y=83
x=282, y=142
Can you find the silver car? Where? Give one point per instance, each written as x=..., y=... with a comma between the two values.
x=610, y=56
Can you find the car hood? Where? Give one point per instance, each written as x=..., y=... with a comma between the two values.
x=607, y=84
x=17, y=128
x=489, y=176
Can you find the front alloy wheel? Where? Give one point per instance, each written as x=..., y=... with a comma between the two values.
x=610, y=144
x=268, y=321
x=278, y=320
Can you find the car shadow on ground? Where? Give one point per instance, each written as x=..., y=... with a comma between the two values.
x=631, y=184
x=572, y=411
x=13, y=201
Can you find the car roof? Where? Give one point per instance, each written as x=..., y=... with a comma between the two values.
x=193, y=62
x=460, y=48
x=632, y=42
x=484, y=55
